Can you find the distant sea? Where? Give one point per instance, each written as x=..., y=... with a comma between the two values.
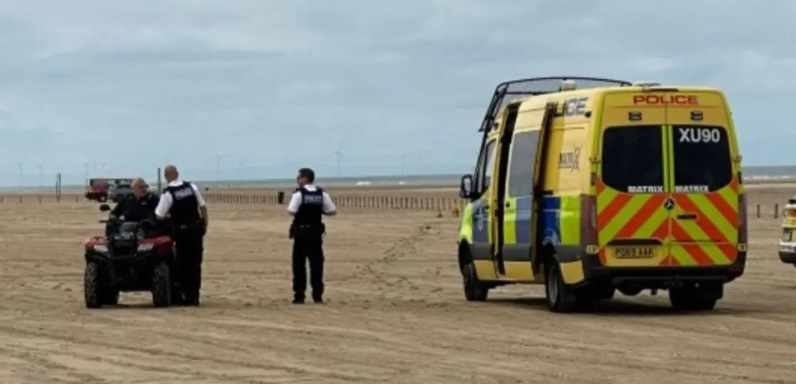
x=769, y=174
x=751, y=174
x=363, y=181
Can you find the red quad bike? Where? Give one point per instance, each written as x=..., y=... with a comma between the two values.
x=133, y=256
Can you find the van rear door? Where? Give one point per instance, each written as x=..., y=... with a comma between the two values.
x=705, y=187
x=632, y=215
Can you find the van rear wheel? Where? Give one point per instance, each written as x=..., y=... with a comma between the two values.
x=474, y=289
x=696, y=297
x=560, y=297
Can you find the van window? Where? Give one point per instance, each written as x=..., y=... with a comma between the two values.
x=632, y=159
x=523, y=155
x=486, y=165
x=701, y=158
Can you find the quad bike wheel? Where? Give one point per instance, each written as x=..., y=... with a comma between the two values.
x=161, y=285
x=474, y=289
x=92, y=285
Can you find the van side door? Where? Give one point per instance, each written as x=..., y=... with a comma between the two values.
x=524, y=192
x=519, y=206
x=499, y=200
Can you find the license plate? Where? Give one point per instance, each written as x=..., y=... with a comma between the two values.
x=634, y=252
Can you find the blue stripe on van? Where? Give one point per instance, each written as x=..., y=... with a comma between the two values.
x=480, y=222
x=551, y=221
x=522, y=222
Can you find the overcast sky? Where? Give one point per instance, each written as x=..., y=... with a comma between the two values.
x=262, y=87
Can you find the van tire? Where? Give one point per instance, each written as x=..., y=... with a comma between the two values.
x=696, y=297
x=474, y=289
x=560, y=297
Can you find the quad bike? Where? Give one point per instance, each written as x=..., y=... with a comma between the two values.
x=133, y=256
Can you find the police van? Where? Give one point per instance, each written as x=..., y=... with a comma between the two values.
x=595, y=185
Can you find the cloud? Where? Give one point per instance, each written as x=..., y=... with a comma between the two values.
x=272, y=84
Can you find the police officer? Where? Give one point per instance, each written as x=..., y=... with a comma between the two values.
x=186, y=207
x=138, y=206
x=307, y=205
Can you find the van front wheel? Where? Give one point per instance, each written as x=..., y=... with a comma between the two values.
x=560, y=297
x=474, y=289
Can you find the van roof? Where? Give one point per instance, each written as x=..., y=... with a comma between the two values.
x=540, y=90
x=510, y=91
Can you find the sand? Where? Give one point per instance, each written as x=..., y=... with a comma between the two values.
x=395, y=313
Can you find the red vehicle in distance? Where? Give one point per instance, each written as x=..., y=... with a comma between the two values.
x=102, y=188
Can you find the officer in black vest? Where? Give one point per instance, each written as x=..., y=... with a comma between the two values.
x=308, y=205
x=186, y=207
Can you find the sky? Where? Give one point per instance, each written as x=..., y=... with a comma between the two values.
x=256, y=89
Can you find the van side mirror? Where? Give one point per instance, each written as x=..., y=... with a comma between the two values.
x=466, y=187
x=104, y=207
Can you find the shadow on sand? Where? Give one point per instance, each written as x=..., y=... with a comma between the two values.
x=622, y=306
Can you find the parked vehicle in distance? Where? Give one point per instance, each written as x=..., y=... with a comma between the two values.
x=100, y=188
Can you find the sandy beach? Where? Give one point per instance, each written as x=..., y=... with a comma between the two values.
x=395, y=312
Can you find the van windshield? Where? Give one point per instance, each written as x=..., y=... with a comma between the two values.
x=701, y=158
x=632, y=159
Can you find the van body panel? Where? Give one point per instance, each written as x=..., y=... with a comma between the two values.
x=632, y=220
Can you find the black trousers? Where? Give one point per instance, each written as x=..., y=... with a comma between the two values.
x=304, y=249
x=189, y=246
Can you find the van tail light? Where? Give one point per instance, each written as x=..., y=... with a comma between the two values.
x=588, y=221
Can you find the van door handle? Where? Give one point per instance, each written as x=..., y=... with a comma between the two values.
x=687, y=216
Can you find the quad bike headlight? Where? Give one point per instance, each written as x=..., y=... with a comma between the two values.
x=102, y=248
x=145, y=247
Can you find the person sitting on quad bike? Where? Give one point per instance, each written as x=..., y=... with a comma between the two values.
x=138, y=206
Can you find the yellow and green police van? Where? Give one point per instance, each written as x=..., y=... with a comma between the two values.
x=595, y=185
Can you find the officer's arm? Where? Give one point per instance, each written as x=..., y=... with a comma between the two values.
x=164, y=205
x=295, y=202
x=329, y=208
x=199, y=198
x=202, y=206
x=205, y=217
